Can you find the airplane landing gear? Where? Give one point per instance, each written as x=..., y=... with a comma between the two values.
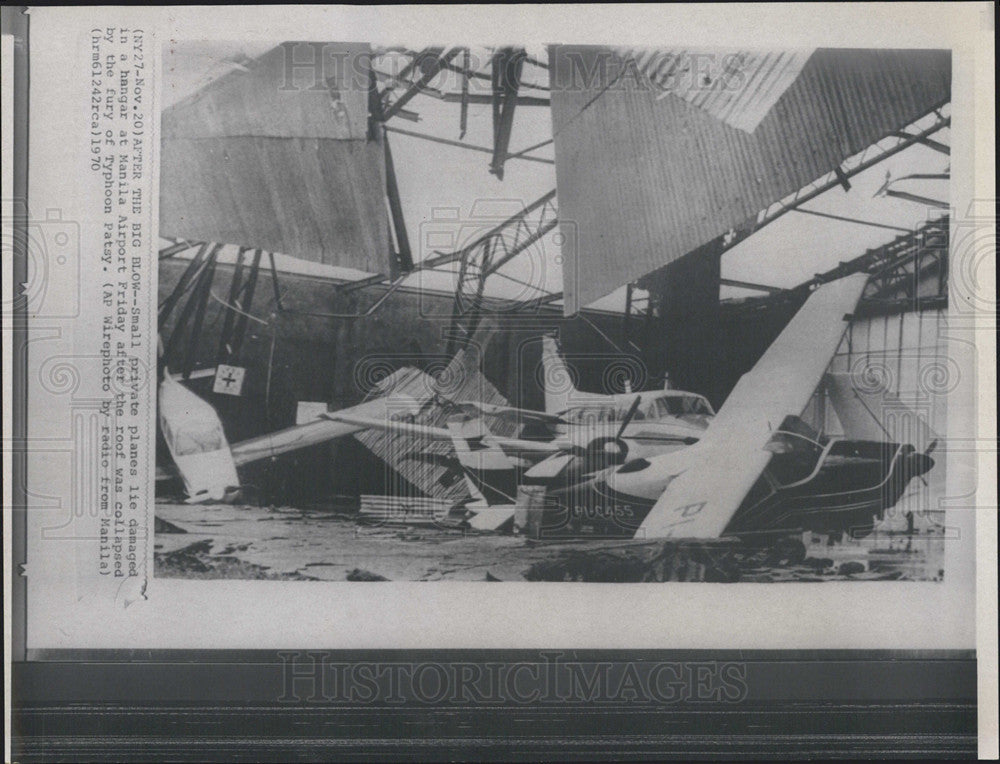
x=787, y=551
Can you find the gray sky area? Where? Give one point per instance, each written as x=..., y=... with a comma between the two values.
x=450, y=186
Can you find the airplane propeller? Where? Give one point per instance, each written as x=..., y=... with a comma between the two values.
x=628, y=417
x=606, y=452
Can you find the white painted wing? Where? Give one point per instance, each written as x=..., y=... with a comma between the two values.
x=510, y=413
x=289, y=439
x=700, y=502
x=509, y=445
x=359, y=422
x=550, y=466
x=328, y=427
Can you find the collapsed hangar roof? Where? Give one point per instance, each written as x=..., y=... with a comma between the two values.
x=646, y=175
x=275, y=156
x=775, y=75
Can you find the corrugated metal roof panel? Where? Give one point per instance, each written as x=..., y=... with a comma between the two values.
x=460, y=380
x=318, y=199
x=737, y=86
x=642, y=179
x=296, y=90
x=275, y=155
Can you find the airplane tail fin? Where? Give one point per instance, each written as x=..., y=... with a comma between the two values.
x=557, y=378
x=197, y=443
x=867, y=415
x=489, y=473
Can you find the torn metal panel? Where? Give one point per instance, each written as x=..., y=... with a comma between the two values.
x=321, y=200
x=276, y=155
x=296, y=90
x=433, y=473
x=737, y=86
x=643, y=177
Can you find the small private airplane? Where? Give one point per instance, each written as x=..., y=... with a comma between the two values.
x=587, y=431
x=754, y=470
x=757, y=472
x=650, y=418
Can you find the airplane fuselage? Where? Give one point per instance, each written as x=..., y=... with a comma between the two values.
x=662, y=418
x=847, y=490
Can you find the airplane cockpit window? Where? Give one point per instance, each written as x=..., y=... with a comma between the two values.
x=592, y=415
x=189, y=439
x=797, y=449
x=682, y=405
x=694, y=404
x=794, y=427
x=665, y=407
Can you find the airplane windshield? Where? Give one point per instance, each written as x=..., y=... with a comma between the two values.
x=797, y=449
x=591, y=415
x=681, y=405
x=672, y=406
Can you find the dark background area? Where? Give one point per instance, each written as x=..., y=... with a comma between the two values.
x=297, y=357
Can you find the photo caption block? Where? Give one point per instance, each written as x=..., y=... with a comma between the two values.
x=92, y=318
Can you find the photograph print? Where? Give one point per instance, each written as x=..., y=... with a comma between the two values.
x=552, y=313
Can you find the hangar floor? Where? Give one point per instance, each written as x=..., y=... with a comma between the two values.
x=328, y=544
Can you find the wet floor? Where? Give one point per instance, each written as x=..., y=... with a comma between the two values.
x=248, y=542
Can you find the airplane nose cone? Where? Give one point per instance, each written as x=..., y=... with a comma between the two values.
x=920, y=464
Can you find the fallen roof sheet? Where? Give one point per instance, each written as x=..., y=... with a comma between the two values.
x=737, y=86
x=276, y=155
x=460, y=380
x=644, y=177
x=320, y=200
x=295, y=90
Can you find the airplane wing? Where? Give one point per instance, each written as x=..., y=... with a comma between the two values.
x=509, y=413
x=279, y=442
x=517, y=445
x=700, y=501
x=290, y=439
x=327, y=427
x=549, y=468
x=359, y=422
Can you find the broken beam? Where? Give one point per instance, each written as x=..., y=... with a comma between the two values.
x=404, y=256
x=542, y=229
x=750, y=285
x=906, y=195
x=486, y=100
x=429, y=74
x=871, y=223
x=175, y=249
x=461, y=145
x=451, y=257
x=924, y=140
